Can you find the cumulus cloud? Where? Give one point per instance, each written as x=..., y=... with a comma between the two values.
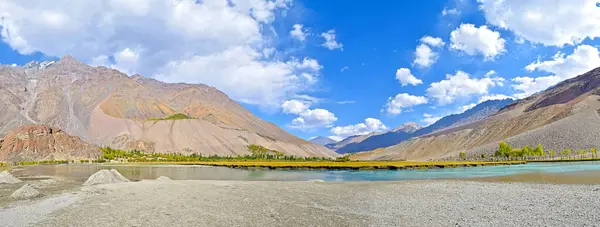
x=307, y=119
x=314, y=118
x=494, y=97
x=330, y=42
x=370, y=125
x=396, y=105
x=294, y=106
x=429, y=119
x=424, y=55
x=227, y=44
x=477, y=41
x=298, y=32
x=583, y=59
x=460, y=85
x=433, y=41
x=405, y=77
x=539, y=21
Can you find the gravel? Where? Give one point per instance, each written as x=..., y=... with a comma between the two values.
x=242, y=203
x=26, y=192
x=105, y=177
x=163, y=178
x=7, y=178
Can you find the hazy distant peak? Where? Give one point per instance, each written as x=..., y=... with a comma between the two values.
x=408, y=127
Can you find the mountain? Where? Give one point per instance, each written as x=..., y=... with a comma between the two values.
x=478, y=112
x=321, y=140
x=411, y=129
x=105, y=107
x=408, y=127
x=562, y=117
x=350, y=140
x=41, y=142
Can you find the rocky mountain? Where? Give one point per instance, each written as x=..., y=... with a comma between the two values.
x=408, y=127
x=321, y=140
x=350, y=140
x=41, y=142
x=478, y=112
x=412, y=129
x=562, y=117
x=105, y=107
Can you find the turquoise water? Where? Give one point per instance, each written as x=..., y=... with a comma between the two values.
x=82, y=172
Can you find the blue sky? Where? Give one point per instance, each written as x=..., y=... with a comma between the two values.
x=320, y=67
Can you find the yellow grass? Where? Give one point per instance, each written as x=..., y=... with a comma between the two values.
x=343, y=165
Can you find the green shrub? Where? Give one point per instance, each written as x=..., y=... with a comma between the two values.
x=504, y=150
x=462, y=155
x=177, y=116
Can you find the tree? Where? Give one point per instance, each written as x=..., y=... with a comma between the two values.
x=504, y=150
x=526, y=152
x=462, y=155
x=594, y=152
x=539, y=151
x=551, y=152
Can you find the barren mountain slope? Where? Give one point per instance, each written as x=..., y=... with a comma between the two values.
x=536, y=119
x=108, y=108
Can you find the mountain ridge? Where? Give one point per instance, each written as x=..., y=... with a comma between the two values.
x=108, y=108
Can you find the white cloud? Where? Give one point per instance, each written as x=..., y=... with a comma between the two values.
x=298, y=32
x=433, y=41
x=474, y=41
x=330, y=42
x=370, y=125
x=464, y=108
x=549, y=23
x=336, y=138
x=424, y=56
x=494, y=97
x=490, y=73
x=402, y=101
x=450, y=12
x=430, y=119
x=344, y=69
x=404, y=76
x=294, y=106
x=227, y=44
x=314, y=118
x=583, y=59
x=460, y=85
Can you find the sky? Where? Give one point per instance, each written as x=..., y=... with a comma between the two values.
x=322, y=68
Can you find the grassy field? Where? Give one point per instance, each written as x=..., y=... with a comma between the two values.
x=353, y=165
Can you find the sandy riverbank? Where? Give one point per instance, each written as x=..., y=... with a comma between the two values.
x=243, y=203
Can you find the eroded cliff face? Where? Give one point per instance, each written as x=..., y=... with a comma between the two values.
x=42, y=142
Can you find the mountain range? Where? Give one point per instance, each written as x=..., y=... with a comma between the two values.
x=411, y=129
x=321, y=140
x=564, y=116
x=105, y=107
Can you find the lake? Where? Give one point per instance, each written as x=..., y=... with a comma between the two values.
x=81, y=172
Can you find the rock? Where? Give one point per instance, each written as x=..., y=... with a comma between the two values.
x=106, y=177
x=7, y=178
x=26, y=192
x=316, y=181
x=44, y=143
x=163, y=178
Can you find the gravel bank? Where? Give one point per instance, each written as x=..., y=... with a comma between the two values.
x=411, y=203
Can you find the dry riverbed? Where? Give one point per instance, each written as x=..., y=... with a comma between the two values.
x=278, y=203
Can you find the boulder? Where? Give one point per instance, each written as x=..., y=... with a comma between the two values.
x=25, y=192
x=106, y=177
x=7, y=178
